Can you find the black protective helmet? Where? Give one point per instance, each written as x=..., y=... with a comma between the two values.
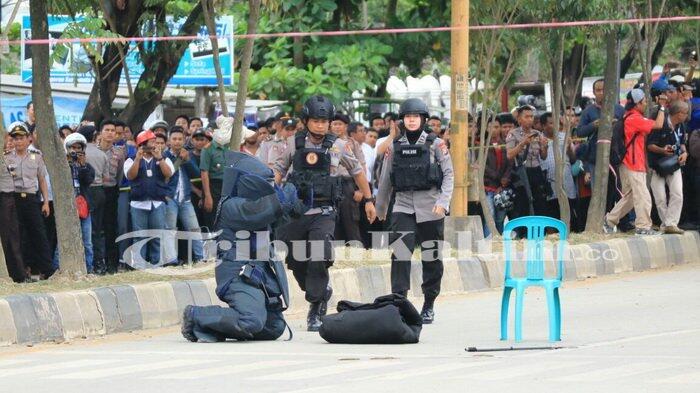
x=413, y=106
x=318, y=107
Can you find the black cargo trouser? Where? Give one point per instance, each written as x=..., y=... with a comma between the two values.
x=35, y=245
x=407, y=233
x=110, y=225
x=10, y=237
x=209, y=217
x=348, y=228
x=313, y=237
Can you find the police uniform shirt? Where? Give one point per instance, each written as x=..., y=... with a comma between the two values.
x=213, y=160
x=341, y=156
x=99, y=161
x=27, y=170
x=515, y=136
x=116, y=155
x=7, y=184
x=421, y=202
x=271, y=150
x=357, y=152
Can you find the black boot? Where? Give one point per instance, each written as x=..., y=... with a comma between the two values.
x=187, y=328
x=427, y=313
x=313, y=320
x=324, y=304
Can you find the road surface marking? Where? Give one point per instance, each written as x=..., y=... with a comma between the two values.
x=315, y=372
x=228, y=369
x=13, y=362
x=53, y=367
x=617, y=372
x=522, y=371
x=421, y=371
x=131, y=369
x=687, y=378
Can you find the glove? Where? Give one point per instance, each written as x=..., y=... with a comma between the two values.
x=291, y=205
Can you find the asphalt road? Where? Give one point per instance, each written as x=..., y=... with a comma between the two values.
x=638, y=332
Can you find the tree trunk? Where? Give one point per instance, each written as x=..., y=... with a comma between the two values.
x=152, y=83
x=298, y=42
x=242, y=92
x=390, y=17
x=596, y=210
x=628, y=59
x=201, y=101
x=559, y=156
x=70, y=244
x=571, y=72
x=104, y=89
x=208, y=9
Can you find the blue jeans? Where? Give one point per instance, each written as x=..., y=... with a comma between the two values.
x=149, y=219
x=123, y=224
x=86, y=230
x=499, y=215
x=184, y=212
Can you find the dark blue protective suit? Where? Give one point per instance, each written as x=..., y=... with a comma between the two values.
x=249, y=277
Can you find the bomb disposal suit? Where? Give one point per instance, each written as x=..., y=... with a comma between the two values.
x=249, y=277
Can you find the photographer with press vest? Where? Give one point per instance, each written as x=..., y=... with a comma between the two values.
x=418, y=168
x=316, y=155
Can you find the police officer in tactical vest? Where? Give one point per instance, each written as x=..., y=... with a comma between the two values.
x=315, y=156
x=418, y=168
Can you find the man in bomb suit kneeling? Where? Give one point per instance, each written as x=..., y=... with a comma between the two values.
x=249, y=276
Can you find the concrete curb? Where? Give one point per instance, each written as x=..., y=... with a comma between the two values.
x=69, y=315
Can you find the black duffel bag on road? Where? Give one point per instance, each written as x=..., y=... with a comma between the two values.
x=390, y=319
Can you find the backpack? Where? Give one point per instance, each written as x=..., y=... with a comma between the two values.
x=618, y=147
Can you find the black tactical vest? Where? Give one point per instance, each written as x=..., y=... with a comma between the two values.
x=411, y=169
x=312, y=172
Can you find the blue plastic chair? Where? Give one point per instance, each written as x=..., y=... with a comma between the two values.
x=534, y=252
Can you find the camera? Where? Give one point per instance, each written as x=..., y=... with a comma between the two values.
x=73, y=155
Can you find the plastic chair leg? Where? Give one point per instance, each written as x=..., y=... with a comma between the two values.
x=519, y=297
x=557, y=303
x=552, y=309
x=504, y=312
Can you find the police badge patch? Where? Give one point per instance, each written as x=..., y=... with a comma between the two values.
x=312, y=158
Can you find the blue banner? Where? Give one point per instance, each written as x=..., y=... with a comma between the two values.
x=68, y=110
x=196, y=65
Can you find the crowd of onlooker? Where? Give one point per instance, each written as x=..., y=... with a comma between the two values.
x=657, y=141
x=169, y=177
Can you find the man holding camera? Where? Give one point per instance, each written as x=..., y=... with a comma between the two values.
x=528, y=148
x=666, y=153
x=82, y=174
x=148, y=173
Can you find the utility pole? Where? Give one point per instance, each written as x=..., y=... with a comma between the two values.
x=459, y=105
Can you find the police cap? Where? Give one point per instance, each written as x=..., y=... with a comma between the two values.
x=18, y=128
